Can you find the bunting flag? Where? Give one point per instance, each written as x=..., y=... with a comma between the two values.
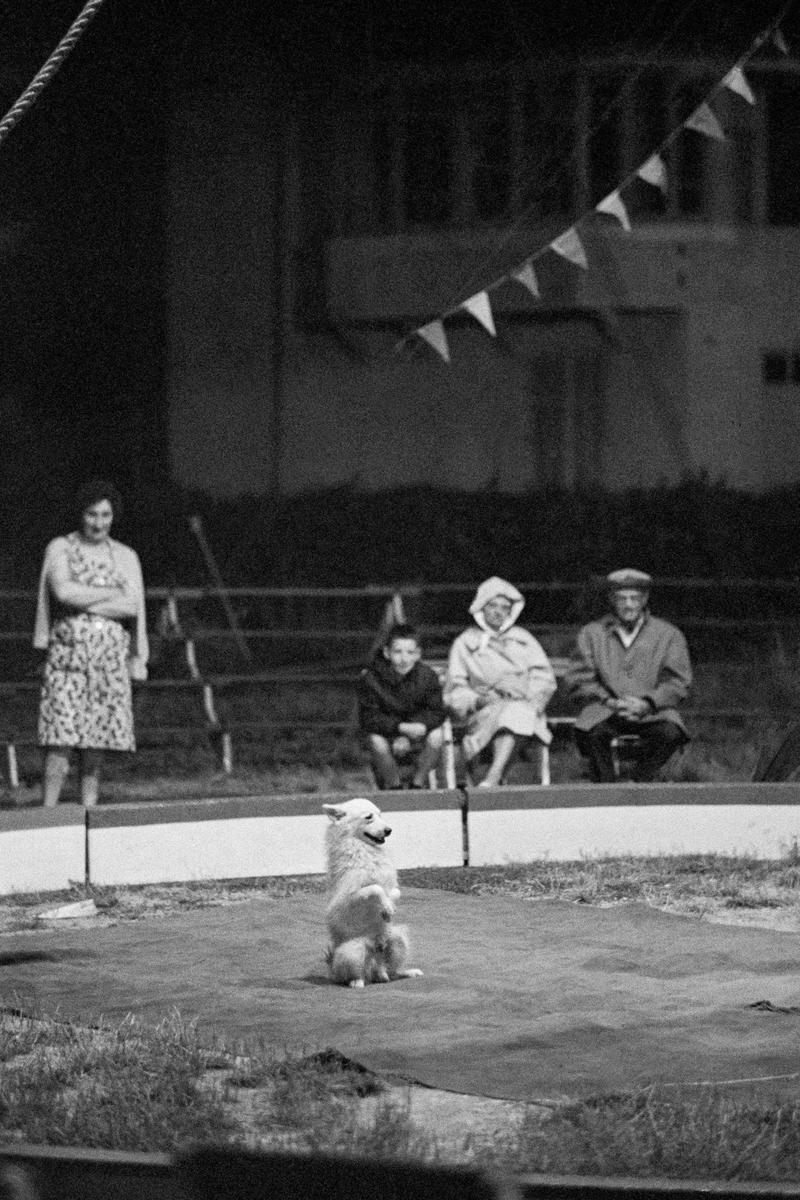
x=481, y=310
x=780, y=41
x=703, y=120
x=653, y=171
x=527, y=277
x=569, y=246
x=736, y=81
x=613, y=206
x=435, y=336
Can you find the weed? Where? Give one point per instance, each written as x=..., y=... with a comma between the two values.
x=662, y=881
x=131, y=1088
x=707, y=1135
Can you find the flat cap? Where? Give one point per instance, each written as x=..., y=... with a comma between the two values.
x=628, y=577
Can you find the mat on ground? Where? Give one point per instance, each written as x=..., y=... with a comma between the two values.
x=520, y=999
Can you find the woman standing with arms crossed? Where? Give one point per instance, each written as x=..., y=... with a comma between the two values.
x=90, y=618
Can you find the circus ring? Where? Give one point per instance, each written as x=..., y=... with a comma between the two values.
x=519, y=1000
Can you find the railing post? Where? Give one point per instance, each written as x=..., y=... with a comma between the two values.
x=11, y=764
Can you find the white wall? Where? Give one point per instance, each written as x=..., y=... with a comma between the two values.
x=42, y=850
x=565, y=823
x=249, y=837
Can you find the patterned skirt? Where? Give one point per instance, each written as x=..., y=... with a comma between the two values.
x=86, y=699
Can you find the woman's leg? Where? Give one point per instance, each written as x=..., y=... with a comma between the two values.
x=503, y=745
x=56, y=769
x=90, y=762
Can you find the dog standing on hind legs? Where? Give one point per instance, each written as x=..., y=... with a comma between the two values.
x=365, y=945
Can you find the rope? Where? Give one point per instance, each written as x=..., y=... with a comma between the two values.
x=48, y=71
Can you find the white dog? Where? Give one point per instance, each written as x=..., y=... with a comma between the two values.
x=362, y=892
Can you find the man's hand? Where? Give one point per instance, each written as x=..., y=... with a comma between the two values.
x=632, y=708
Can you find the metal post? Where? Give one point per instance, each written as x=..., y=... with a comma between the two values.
x=196, y=526
x=11, y=763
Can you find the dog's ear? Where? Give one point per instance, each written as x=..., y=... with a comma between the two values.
x=334, y=812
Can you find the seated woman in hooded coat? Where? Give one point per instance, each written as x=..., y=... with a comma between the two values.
x=499, y=681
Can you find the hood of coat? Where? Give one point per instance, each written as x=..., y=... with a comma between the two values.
x=495, y=586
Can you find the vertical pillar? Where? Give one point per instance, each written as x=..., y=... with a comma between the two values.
x=285, y=234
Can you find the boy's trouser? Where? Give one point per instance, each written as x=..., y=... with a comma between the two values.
x=384, y=763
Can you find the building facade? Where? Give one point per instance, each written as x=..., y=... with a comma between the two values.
x=310, y=231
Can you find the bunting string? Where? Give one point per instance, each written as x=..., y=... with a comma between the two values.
x=653, y=171
x=551, y=167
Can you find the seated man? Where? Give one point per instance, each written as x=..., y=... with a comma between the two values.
x=630, y=670
x=400, y=710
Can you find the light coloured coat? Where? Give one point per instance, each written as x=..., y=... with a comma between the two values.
x=498, y=680
x=656, y=666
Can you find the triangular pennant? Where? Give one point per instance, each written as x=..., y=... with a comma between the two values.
x=481, y=310
x=435, y=336
x=527, y=277
x=703, y=120
x=569, y=245
x=653, y=171
x=736, y=81
x=780, y=41
x=613, y=206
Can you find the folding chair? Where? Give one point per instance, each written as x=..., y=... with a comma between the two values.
x=624, y=748
x=448, y=755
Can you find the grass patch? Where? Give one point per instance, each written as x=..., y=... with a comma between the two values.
x=683, y=883
x=140, y=1088
x=708, y=1135
x=129, y=1088
x=689, y=883
x=313, y=1103
x=135, y=1087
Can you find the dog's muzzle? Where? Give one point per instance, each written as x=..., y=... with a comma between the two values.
x=377, y=840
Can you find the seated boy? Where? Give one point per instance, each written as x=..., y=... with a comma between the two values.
x=400, y=710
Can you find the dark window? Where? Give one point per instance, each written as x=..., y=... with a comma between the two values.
x=567, y=416
x=606, y=167
x=383, y=134
x=783, y=116
x=648, y=103
x=547, y=170
x=490, y=180
x=774, y=367
x=428, y=171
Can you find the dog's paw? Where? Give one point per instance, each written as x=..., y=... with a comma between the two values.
x=410, y=973
x=355, y=983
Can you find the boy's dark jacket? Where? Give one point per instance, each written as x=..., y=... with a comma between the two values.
x=386, y=698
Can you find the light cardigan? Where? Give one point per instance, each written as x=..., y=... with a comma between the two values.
x=127, y=563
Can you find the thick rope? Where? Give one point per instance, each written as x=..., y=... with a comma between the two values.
x=44, y=76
